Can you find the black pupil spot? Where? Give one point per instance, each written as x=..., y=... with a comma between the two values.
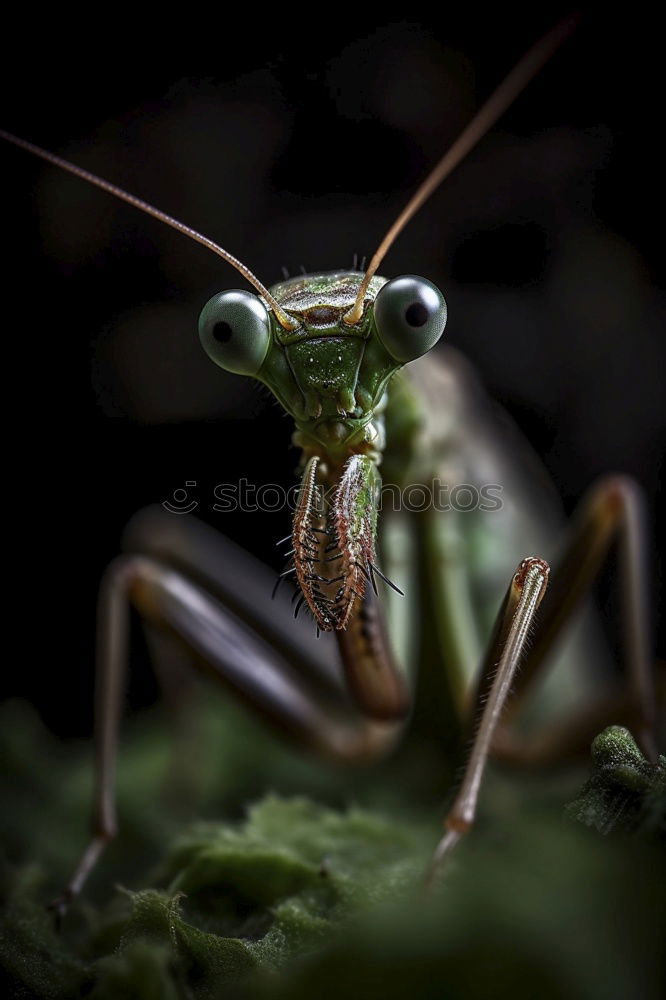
x=222, y=332
x=416, y=314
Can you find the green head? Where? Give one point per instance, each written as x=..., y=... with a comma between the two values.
x=330, y=376
x=326, y=346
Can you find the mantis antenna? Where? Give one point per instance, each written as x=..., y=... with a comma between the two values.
x=485, y=118
x=285, y=321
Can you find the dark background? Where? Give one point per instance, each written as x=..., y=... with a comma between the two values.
x=295, y=141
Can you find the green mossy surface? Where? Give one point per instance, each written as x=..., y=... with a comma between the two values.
x=278, y=894
x=624, y=792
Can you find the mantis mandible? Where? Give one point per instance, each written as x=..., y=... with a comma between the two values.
x=331, y=348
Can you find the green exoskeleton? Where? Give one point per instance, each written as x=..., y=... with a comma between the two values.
x=331, y=376
x=346, y=355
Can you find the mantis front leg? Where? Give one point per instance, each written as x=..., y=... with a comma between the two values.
x=525, y=593
x=613, y=508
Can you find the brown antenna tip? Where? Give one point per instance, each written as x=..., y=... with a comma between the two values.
x=485, y=118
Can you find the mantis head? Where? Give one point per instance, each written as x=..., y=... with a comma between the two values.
x=330, y=375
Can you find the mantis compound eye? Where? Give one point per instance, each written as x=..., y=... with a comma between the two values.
x=235, y=330
x=410, y=316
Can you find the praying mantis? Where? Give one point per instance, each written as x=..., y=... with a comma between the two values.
x=614, y=505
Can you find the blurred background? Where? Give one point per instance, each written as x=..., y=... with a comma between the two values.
x=294, y=139
x=295, y=142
